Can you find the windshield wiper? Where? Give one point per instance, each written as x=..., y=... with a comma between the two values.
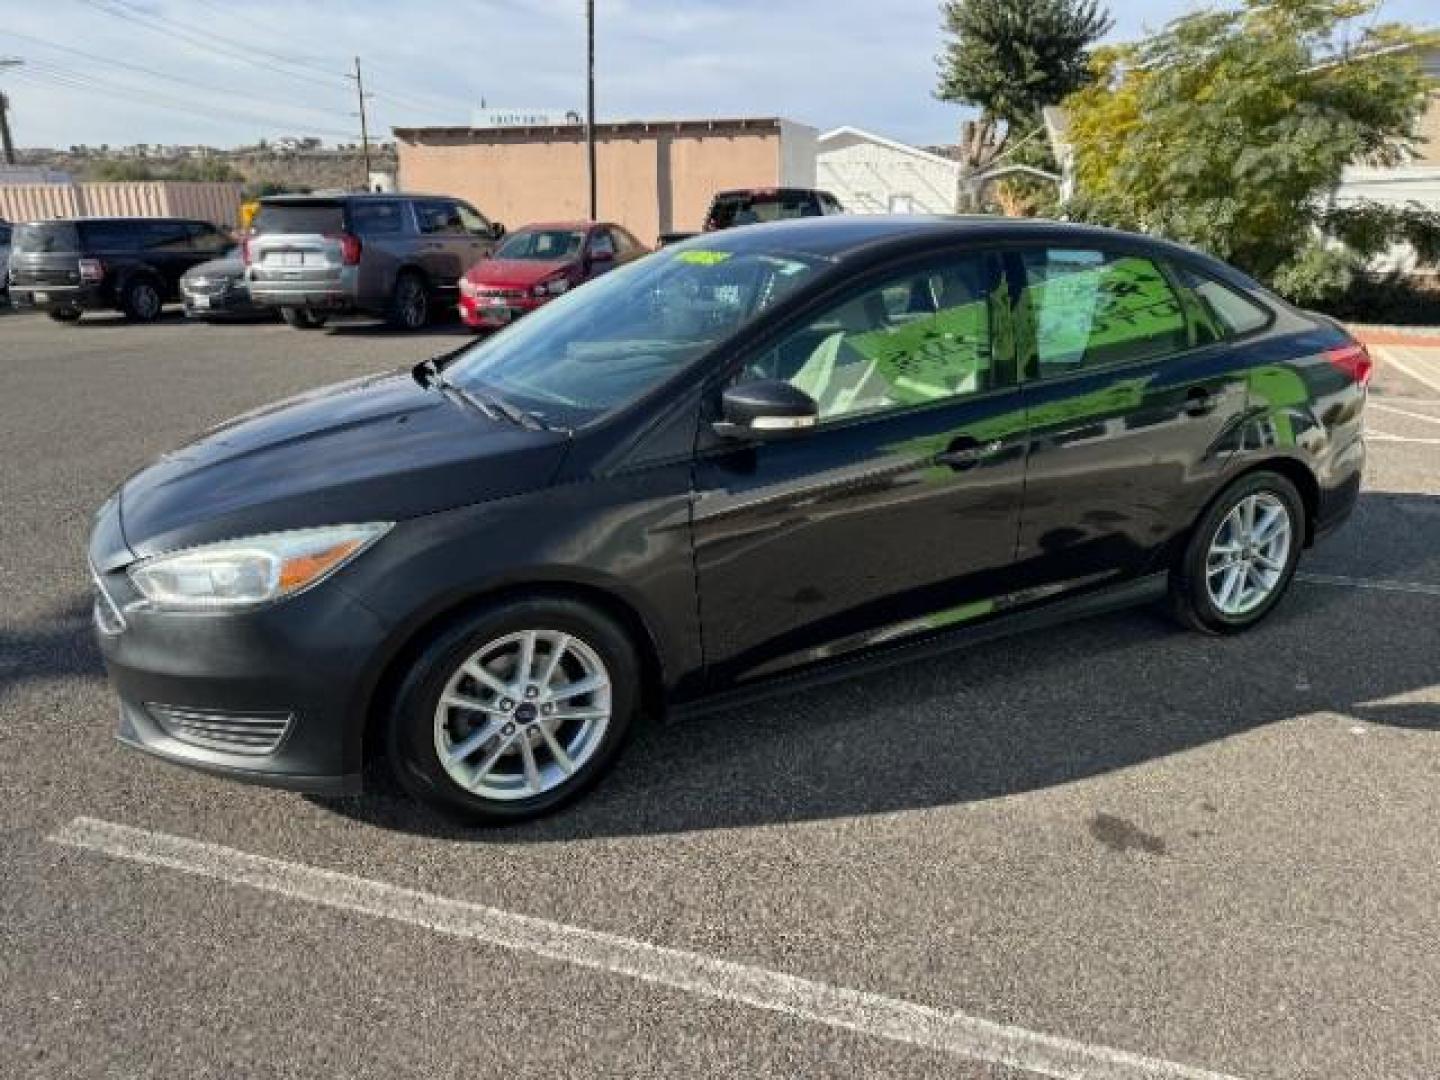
x=515, y=415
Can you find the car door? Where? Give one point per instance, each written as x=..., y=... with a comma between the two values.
x=1130, y=418
x=896, y=515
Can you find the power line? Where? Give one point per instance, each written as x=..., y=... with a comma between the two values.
x=157, y=25
x=155, y=74
x=45, y=73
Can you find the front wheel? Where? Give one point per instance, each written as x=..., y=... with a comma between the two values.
x=515, y=711
x=1242, y=556
x=64, y=315
x=302, y=318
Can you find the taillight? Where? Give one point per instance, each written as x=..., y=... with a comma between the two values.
x=349, y=249
x=92, y=271
x=245, y=251
x=1354, y=360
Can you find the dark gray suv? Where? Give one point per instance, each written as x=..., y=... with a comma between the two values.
x=397, y=256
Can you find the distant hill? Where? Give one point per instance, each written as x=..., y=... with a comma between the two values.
x=271, y=167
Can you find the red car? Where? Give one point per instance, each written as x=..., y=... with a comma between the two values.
x=538, y=263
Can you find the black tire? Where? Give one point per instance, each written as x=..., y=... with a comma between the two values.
x=302, y=318
x=141, y=300
x=412, y=724
x=65, y=315
x=410, y=303
x=1191, y=601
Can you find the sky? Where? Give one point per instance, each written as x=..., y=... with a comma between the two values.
x=228, y=72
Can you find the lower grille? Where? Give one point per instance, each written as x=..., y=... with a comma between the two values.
x=258, y=733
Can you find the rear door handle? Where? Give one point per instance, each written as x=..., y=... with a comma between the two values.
x=966, y=453
x=1199, y=401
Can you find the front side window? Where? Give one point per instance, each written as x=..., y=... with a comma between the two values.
x=542, y=245
x=1089, y=308
x=602, y=244
x=438, y=216
x=597, y=349
x=167, y=236
x=471, y=220
x=925, y=335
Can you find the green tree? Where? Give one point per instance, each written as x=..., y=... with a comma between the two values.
x=1229, y=130
x=1011, y=58
x=118, y=171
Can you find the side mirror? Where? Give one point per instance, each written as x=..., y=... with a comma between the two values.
x=769, y=409
x=496, y=230
x=602, y=256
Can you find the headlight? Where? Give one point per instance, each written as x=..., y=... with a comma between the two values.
x=467, y=287
x=255, y=570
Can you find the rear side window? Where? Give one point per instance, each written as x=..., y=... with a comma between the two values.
x=1091, y=308
x=1221, y=312
x=301, y=218
x=377, y=218
x=114, y=235
x=166, y=236
x=44, y=237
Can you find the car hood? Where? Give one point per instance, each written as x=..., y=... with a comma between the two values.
x=516, y=272
x=217, y=268
x=382, y=448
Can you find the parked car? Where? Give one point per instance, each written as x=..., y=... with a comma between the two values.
x=754, y=206
x=538, y=263
x=5, y=230
x=68, y=266
x=396, y=256
x=218, y=290
x=721, y=473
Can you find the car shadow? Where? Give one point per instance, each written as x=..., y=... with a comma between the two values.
x=57, y=645
x=1004, y=718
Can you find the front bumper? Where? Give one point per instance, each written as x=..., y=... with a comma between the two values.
x=306, y=661
x=485, y=312
x=233, y=301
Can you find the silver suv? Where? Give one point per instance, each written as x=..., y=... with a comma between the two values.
x=314, y=256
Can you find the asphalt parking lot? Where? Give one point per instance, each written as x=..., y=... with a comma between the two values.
x=1110, y=850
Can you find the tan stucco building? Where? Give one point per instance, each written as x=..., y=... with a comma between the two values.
x=652, y=176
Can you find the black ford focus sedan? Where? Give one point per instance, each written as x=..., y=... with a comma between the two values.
x=746, y=462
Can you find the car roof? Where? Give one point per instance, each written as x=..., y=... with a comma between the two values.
x=842, y=237
x=351, y=196
x=578, y=226
x=111, y=219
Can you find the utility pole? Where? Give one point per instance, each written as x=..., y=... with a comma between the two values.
x=6, y=142
x=590, y=104
x=364, y=126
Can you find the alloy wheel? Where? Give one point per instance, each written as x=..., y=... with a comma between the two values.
x=523, y=714
x=1248, y=554
x=413, y=304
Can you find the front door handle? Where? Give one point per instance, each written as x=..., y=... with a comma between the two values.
x=966, y=453
x=1199, y=401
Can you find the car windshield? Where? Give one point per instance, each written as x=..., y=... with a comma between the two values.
x=545, y=244
x=601, y=347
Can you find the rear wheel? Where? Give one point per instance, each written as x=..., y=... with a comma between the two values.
x=516, y=711
x=302, y=318
x=65, y=315
x=1242, y=556
x=410, y=304
x=141, y=300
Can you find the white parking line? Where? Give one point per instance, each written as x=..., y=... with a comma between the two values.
x=1381, y=436
x=854, y=1010
x=1379, y=584
x=1426, y=378
x=1404, y=412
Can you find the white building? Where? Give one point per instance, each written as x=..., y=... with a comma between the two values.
x=871, y=174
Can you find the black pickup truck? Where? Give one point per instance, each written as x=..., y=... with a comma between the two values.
x=750, y=206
